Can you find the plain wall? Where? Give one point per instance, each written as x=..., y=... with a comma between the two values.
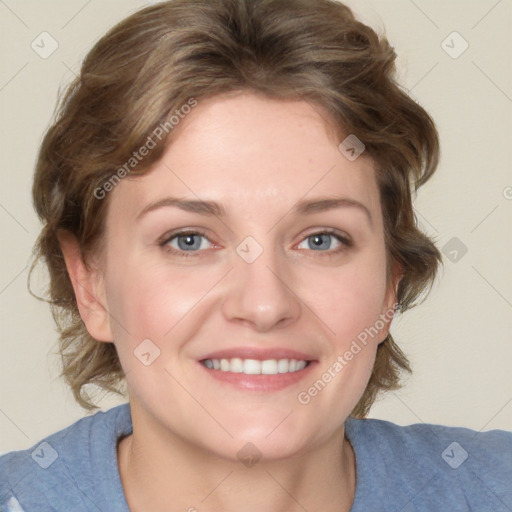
x=459, y=341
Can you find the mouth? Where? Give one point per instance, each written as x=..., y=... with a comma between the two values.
x=255, y=366
x=257, y=370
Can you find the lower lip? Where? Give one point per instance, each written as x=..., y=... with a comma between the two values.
x=263, y=383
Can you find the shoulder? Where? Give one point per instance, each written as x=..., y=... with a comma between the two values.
x=422, y=437
x=58, y=465
x=429, y=460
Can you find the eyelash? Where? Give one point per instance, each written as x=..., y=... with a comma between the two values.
x=346, y=243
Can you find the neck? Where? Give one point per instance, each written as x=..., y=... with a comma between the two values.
x=162, y=474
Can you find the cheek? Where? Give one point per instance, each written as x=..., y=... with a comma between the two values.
x=350, y=299
x=153, y=299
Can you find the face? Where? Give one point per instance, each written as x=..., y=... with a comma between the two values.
x=262, y=272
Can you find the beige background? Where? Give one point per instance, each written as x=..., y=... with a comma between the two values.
x=459, y=341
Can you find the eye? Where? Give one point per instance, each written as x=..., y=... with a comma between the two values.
x=323, y=240
x=190, y=243
x=186, y=241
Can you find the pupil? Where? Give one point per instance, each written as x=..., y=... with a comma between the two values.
x=187, y=241
x=319, y=239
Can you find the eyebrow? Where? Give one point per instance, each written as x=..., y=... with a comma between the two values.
x=212, y=208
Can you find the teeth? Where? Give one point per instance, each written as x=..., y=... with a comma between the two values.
x=254, y=366
x=269, y=367
x=282, y=366
x=237, y=365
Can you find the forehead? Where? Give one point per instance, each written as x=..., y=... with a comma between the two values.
x=250, y=152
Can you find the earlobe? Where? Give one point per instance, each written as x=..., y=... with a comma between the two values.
x=398, y=274
x=390, y=302
x=89, y=289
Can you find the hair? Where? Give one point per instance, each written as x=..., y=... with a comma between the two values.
x=151, y=63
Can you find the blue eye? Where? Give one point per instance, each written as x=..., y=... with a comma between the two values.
x=322, y=241
x=191, y=243
x=186, y=242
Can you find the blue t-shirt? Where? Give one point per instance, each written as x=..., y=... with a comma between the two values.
x=420, y=467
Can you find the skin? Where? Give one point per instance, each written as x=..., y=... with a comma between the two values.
x=257, y=157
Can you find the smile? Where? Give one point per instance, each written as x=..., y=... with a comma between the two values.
x=255, y=366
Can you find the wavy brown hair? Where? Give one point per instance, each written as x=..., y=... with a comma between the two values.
x=152, y=63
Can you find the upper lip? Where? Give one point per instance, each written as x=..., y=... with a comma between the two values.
x=257, y=353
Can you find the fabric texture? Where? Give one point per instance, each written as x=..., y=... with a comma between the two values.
x=420, y=467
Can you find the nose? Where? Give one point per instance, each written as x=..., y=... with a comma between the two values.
x=261, y=294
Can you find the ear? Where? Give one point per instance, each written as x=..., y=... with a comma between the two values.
x=88, y=285
x=390, y=301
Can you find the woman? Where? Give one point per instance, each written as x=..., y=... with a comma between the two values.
x=228, y=227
